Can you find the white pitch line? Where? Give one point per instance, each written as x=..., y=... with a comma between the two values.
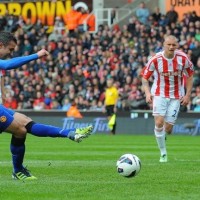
x=182, y=160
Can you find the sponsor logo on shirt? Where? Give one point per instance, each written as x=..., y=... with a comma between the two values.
x=176, y=73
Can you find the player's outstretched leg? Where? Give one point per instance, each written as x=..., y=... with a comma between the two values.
x=42, y=130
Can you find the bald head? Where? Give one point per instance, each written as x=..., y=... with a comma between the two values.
x=170, y=45
x=171, y=37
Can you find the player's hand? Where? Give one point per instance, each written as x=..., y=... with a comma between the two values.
x=148, y=98
x=104, y=110
x=42, y=53
x=3, y=98
x=185, y=100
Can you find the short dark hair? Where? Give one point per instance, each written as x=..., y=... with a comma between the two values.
x=7, y=37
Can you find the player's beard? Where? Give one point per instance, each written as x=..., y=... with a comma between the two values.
x=6, y=56
x=170, y=54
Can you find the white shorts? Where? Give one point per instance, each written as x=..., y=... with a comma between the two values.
x=169, y=108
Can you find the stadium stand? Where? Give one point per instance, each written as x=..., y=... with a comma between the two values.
x=79, y=62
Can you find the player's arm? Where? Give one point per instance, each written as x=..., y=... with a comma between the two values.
x=2, y=90
x=146, y=74
x=2, y=81
x=104, y=104
x=116, y=100
x=188, y=71
x=19, y=61
x=146, y=88
x=189, y=84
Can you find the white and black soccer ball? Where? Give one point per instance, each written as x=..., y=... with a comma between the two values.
x=128, y=165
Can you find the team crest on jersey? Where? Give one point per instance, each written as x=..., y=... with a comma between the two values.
x=3, y=119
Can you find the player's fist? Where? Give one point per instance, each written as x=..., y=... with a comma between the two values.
x=42, y=53
x=148, y=98
x=104, y=110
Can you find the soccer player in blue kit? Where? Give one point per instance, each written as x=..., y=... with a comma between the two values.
x=19, y=124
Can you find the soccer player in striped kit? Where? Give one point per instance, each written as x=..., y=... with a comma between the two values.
x=167, y=93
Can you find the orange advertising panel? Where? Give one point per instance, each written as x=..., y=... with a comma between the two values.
x=46, y=11
x=183, y=6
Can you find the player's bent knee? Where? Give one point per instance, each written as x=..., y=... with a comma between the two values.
x=159, y=124
x=20, y=132
x=168, y=131
x=168, y=128
x=29, y=126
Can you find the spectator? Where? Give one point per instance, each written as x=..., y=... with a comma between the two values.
x=196, y=99
x=142, y=13
x=38, y=26
x=94, y=106
x=27, y=49
x=55, y=36
x=82, y=23
x=3, y=22
x=156, y=15
x=194, y=17
x=27, y=26
x=132, y=24
x=11, y=23
x=73, y=111
x=71, y=20
x=10, y=101
x=66, y=104
x=91, y=22
x=163, y=21
x=172, y=15
x=197, y=106
x=38, y=103
x=113, y=15
x=196, y=52
x=59, y=25
x=55, y=105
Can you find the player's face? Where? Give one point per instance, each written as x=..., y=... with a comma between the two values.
x=109, y=82
x=7, y=51
x=170, y=45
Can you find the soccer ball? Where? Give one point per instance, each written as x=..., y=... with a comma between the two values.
x=128, y=165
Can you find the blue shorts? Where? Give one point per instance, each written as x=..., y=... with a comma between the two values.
x=6, y=118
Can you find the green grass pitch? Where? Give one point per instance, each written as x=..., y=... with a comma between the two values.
x=87, y=171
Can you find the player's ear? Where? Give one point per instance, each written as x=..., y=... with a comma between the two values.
x=1, y=45
x=164, y=42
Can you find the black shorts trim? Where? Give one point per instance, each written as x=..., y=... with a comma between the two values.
x=110, y=110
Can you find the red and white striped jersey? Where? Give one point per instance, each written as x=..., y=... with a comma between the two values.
x=168, y=74
x=2, y=72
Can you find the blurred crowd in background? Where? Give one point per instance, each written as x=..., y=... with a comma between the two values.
x=80, y=62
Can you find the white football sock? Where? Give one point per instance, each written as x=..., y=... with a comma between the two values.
x=160, y=138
